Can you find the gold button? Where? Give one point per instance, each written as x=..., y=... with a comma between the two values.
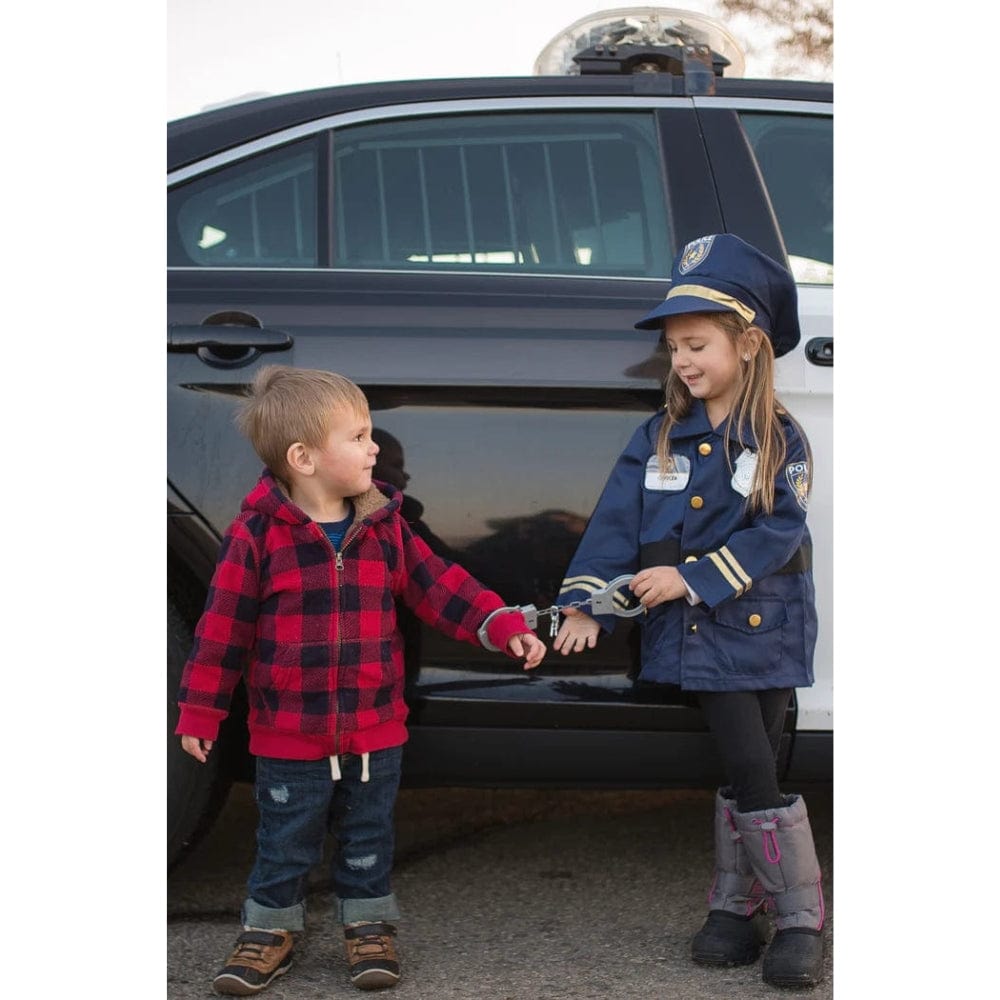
x=691, y=559
x=697, y=503
x=692, y=628
x=754, y=620
x=704, y=448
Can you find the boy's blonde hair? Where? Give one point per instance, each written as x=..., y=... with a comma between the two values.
x=285, y=405
x=755, y=408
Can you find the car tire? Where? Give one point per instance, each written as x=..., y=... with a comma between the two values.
x=195, y=791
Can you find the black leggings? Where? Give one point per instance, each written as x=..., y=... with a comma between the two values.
x=747, y=726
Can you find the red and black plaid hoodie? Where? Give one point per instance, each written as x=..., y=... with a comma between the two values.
x=314, y=631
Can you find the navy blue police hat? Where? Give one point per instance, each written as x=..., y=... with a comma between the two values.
x=722, y=273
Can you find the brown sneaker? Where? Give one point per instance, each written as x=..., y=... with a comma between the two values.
x=371, y=955
x=258, y=957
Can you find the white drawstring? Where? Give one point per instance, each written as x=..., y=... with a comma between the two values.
x=335, y=768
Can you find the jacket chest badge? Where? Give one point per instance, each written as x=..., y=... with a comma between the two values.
x=742, y=479
x=674, y=478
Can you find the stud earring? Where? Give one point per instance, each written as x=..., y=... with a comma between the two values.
x=746, y=357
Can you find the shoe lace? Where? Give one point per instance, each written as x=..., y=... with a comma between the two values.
x=247, y=949
x=371, y=945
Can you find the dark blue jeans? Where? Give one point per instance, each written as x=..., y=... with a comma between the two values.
x=299, y=803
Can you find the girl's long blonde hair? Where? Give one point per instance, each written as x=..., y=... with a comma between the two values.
x=755, y=409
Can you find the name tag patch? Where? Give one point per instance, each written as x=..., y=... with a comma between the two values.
x=674, y=478
x=742, y=479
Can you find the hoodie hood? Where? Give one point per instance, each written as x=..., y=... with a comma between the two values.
x=268, y=497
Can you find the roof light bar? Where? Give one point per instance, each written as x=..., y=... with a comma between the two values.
x=641, y=39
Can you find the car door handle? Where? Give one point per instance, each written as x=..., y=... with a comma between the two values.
x=819, y=351
x=193, y=338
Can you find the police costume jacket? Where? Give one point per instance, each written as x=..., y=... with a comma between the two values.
x=755, y=626
x=314, y=630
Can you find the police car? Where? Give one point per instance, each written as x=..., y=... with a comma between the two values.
x=474, y=254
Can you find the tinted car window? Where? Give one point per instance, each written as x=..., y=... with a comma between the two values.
x=559, y=193
x=795, y=153
x=260, y=212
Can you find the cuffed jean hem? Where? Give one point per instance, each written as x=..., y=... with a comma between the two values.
x=288, y=918
x=353, y=911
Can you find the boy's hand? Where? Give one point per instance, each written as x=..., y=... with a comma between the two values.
x=578, y=631
x=528, y=645
x=658, y=584
x=198, y=748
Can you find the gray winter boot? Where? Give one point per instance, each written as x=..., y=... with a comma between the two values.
x=779, y=844
x=732, y=934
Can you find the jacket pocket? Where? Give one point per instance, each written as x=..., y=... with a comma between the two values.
x=749, y=635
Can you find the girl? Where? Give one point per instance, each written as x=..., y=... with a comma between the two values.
x=707, y=507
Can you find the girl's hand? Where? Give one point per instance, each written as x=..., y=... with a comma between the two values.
x=577, y=632
x=528, y=645
x=198, y=748
x=657, y=584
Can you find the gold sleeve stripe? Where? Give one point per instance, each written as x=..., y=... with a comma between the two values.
x=701, y=292
x=725, y=571
x=736, y=567
x=583, y=583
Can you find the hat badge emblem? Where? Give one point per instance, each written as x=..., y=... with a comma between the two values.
x=694, y=253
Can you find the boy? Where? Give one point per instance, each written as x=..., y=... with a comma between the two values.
x=303, y=599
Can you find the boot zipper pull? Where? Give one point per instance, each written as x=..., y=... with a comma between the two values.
x=772, y=849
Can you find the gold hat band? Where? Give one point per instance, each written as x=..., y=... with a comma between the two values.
x=701, y=292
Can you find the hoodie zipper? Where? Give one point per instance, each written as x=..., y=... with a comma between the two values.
x=338, y=564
